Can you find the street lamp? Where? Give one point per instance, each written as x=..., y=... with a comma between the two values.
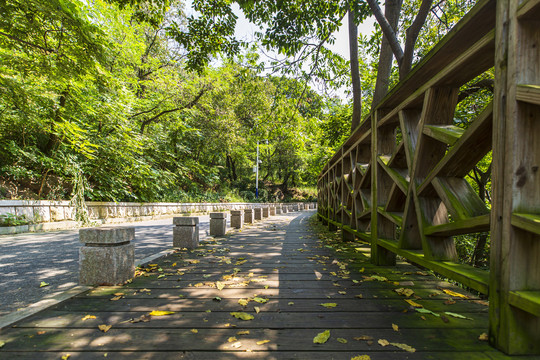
x=257, y=170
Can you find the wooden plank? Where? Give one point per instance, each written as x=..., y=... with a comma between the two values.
x=471, y=147
x=528, y=93
x=528, y=222
x=399, y=159
x=528, y=301
x=396, y=200
x=459, y=227
x=395, y=217
x=447, y=134
x=465, y=274
x=461, y=70
x=528, y=9
x=399, y=176
x=460, y=198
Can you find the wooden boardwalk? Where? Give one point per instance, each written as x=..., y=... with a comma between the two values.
x=284, y=272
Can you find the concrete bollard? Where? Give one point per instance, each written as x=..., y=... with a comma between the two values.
x=237, y=219
x=258, y=213
x=272, y=210
x=278, y=210
x=285, y=209
x=265, y=212
x=107, y=257
x=186, y=232
x=248, y=216
x=218, y=223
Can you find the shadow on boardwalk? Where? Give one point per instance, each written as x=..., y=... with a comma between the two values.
x=282, y=260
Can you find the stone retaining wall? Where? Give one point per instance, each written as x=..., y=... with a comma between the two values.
x=55, y=215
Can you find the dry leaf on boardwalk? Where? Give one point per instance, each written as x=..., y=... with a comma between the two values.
x=88, y=317
x=414, y=304
x=232, y=339
x=329, y=305
x=342, y=340
x=395, y=327
x=242, y=332
x=161, y=313
x=242, y=316
x=361, y=357
x=104, y=327
x=262, y=342
x=321, y=338
x=455, y=294
x=483, y=337
x=257, y=309
x=405, y=292
x=383, y=342
x=195, y=331
x=404, y=347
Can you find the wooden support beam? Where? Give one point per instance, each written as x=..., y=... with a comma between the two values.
x=447, y=134
x=529, y=94
x=527, y=222
x=459, y=197
x=459, y=227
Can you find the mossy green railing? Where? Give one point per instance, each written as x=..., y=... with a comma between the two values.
x=399, y=181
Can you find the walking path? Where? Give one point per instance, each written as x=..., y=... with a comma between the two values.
x=53, y=257
x=289, y=286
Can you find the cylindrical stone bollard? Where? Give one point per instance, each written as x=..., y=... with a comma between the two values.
x=258, y=213
x=186, y=232
x=265, y=212
x=248, y=216
x=107, y=257
x=218, y=223
x=272, y=210
x=237, y=219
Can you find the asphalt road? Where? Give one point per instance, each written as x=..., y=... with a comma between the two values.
x=53, y=257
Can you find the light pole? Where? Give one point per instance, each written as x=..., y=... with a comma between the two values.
x=257, y=171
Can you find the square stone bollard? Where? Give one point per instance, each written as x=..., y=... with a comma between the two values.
x=248, y=216
x=285, y=209
x=218, y=223
x=107, y=257
x=186, y=232
x=272, y=210
x=278, y=210
x=237, y=219
x=258, y=213
x=266, y=212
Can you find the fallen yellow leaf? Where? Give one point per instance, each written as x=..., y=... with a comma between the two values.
x=321, y=338
x=342, y=340
x=363, y=337
x=383, y=342
x=257, y=309
x=395, y=327
x=161, y=313
x=290, y=303
x=361, y=357
x=232, y=339
x=65, y=357
x=104, y=327
x=405, y=292
x=243, y=302
x=262, y=342
x=220, y=286
x=412, y=303
x=242, y=316
x=329, y=305
x=243, y=332
x=43, y=284
x=404, y=347
x=455, y=294
x=195, y=331
x=260, y=300
x=483, y=337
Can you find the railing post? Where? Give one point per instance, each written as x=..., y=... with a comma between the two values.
x=514, y=293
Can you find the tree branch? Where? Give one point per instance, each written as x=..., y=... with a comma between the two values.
x=387, y=30
x=412, y=35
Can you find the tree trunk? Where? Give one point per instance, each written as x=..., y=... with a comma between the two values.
x=386, y=56
x=355, y=72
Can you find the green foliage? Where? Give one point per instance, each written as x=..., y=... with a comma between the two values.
x=13, y=220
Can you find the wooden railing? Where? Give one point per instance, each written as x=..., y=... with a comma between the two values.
x=399, y=183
